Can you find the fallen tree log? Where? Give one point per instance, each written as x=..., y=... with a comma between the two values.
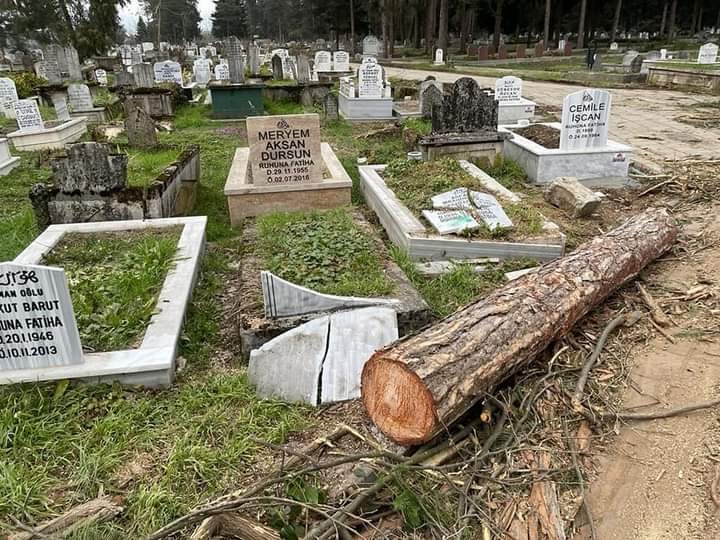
x=413, y=388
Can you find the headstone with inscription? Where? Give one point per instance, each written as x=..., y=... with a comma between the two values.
x=341, y=61
x=330, y=107
x=37, y=322
x=51, y=64
x=371, y=46
x=508, y=89
x=585, y=120
x=201, y=70
x=79, y=97
x=27, y=116
x=370, y=79
x=168, y=72
x=222, y=72
x=8, y=97
x=144, y=75
x=285, y=150
x=323, y=61
x=708, y=54
x=101, y=77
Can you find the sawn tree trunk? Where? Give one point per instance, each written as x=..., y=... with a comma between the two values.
x=414, y=387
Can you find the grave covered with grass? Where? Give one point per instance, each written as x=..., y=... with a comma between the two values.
x=325, y=251
x=114, y=282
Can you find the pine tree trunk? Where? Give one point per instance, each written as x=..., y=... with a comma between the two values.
x=581, y=24
x=391, y=30
x=416, y=27
x=694, y=21
x=498, y=23
x=384, y=24
x=546, y=27
x=424, y=382
x=663, y=20
x=430, y=24
x=352, y=28
x=443, y=29
x=671, y=23
x=616, y=20
x=463, y=27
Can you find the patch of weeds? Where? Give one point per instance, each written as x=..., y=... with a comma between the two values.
x=144, y=166
x=114, y=282
x=416, y=182
x=348, y=141
x=325, y=251
x=421, y=126
x=460, y=286
x=192, y=116
x=505, y=171
x=273, y=108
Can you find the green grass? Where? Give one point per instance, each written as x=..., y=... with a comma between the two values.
x=325, y=251
x=114, y=283
x=144, y=166
x=286, y=107
x=416, y=182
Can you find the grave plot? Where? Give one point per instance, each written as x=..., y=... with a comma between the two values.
x=578, y=146
x=334, y=252
x=34, y=133
x=286, y=167
x=368, y=95
x=119, y=288
x=453, y=210
x=90, y=183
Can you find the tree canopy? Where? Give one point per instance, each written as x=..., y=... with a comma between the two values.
x=179, y=20
x=230, y=18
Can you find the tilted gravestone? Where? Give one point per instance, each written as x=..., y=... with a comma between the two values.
x=144, y=75
x=285, y=150
x=79, y=97
x=59, y=101
x=37, y=322
x=139, y=127
x=467, y=108
x=585, y=120
x=234, y=54
x=303, y=69
x=277, y=68
x=89, y=167
x=27, y=116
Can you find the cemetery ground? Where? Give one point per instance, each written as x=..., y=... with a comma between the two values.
x=164, y=452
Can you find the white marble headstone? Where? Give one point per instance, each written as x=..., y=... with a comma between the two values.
x=101, y=77
x=614, y=46
x=59, y=101
x=37, y=322
x=8, y=97
x=450, y=221
x=323, y=61
x=708, y=54
x=341, y=61
x=585, y=119
x=222, y=72
x=27, y=116
x=439, y=58
x=456, y=199
x=490, y=210
x=508, y=89
x=201, y=70
x=168, y=71
x=370, y=79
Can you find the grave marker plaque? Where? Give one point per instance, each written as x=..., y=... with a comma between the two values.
x=168, y=72
x=27, y=116
x=708, y=54
x=37, y=322
x=585, y=120
x=508, y=89
x=370, y=79
x=285, y=150
x=222, y=72
x=101, y=77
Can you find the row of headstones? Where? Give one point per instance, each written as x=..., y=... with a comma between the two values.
x=76, y=99
x=484, y=52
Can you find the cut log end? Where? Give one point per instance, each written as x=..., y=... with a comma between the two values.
x=398, y=402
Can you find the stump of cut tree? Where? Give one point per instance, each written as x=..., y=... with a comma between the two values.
x=414, y=387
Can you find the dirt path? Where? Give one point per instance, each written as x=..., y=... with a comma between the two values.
x=647, y=120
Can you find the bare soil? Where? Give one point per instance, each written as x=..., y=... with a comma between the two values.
x=542, y=135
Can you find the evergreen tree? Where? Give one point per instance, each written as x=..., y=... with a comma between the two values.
x=179, y=20
x=142, y=31
x=230, y=18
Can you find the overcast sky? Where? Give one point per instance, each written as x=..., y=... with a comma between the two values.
x=129, y=14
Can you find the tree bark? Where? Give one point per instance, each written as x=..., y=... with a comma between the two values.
x=581, y=24
x=232, y=525
x=390, y=48
x=422, y=383
x=694, y=21
x=663, y=21
x=616, y=20
x=463, y=27
x=430, y=24
x=352, y=28
x=671, y=23
x=443, y=29
x=546, y=27
x=498, y=23
x=384, y=23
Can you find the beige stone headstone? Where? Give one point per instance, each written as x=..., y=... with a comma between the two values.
x=285, y=150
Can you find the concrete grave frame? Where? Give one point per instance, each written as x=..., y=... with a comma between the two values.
x=408, y=232
x=50, y=138
x=597, y=166
x=509, y=112
x=248, y=200
x=153, y=363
